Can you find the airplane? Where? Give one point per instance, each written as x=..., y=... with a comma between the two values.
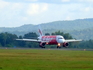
x=51, y=40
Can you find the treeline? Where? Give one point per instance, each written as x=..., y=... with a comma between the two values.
x=85, y=34
x=86, y=44
x=8, y=40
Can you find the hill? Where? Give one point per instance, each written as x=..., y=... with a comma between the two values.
x=80, y=28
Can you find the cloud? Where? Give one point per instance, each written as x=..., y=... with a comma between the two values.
x=87, y=9
x=17, y=14
x=20, y=13
x=85, y=1
x=65, y=0
x=10, y=13
x=3, y=4
x=35, y=8
x=32, y=0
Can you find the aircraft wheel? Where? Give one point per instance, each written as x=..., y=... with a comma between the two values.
x=57, y=46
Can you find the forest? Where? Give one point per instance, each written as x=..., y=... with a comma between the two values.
x=8, y=40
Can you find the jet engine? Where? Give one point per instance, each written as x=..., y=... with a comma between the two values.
x=65, y=44
x=42, y=45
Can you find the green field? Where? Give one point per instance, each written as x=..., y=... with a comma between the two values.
x=40, y=59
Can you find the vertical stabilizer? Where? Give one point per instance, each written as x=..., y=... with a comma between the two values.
x=40, y=31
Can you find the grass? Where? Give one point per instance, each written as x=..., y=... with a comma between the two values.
x=36, y=59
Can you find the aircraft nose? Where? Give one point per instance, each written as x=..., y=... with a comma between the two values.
x=61, y=41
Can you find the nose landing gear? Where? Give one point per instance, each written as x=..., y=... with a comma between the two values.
x=58, y=46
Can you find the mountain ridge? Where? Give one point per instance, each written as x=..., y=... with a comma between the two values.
x=74, y=27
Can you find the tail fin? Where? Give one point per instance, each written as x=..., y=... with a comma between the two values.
x=40, y=31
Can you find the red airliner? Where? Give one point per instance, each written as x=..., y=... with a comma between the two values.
x=51, y=40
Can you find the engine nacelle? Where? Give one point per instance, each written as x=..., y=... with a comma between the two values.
x=65, y=44
x=42, y=45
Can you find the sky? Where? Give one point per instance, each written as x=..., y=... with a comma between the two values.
x=15, y=13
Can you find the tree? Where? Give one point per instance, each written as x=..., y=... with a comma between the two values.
x=58, y=33
x=47, y=34
x=86, y=44
x=7, y=38
x=30, y=35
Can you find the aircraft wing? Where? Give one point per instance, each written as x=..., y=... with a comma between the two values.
x=73, y=40
x=31, y=40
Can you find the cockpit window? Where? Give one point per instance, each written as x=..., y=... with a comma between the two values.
x=60, y=38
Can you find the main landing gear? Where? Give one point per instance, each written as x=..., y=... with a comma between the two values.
x=42, y=45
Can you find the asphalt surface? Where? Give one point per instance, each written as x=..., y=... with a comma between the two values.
x=53, y=49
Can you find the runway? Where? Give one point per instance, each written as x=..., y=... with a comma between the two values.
x=69, y=49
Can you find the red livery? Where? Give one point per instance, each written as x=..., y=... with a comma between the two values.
x=51, y=40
